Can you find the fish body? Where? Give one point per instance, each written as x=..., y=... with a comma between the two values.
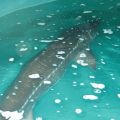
x=43, y=71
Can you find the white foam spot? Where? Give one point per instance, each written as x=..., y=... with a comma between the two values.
x=15, y=115
x=34, y=76
x=13, y=93
x=58, y=111
x=32, y=100
x=90, y=97
x=35, y=48
x=118, y=95
x=88, y=49
x=82, y=84
x=78, y=111
x=61, y=52
x=118, y=27
x=82, y=4
x=46, y=41
x=82, y=63
x=97, y=86
x=66, y=98
x=23, y=49
x=61, y=38
x=60, y=57
x=41, y=23
x=74, y=73
x=87, y=12
x=92, y=77
x=74, y=66
x=19, y=23
x=21, y=63
x=107, y=31
x=83, y=55
x=39, y=118
x=11, y=59
x=47, y=82
x=49, y=16
x=81, y=39
x=54, y=65
x=112, y=119
x=57, y=101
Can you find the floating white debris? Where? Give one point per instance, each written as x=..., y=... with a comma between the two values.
x=57, y=101
x=70, y=43
x=66, y=98
x=74, y=66
x=82, y=4
x=47, y=82
x=60, y=38
x=74, y=82
x=33, y=76
x=118, y=27
x=13, y=93
x=83, y=55
x=18, y=23
x=16, y=87
x=102, y=61
x=31, y=100
x=82, y=84
x=92, y=77
x=108, y=37
x=61, y=52
x=35, y=48
x=107, y=31
x=81, y=39
x=11, y=59
x=74, y=73
x=21, y=63
x=118, y=95
x=90, y=97
x=87, y=12
x=49, y=16
x=36, y=39
x=58, y=111
x=22, y=41
x=60, y=57
x=88, y=49
x=39, y=118
x=23, y=49
x=41, y=23
x=55, y=65
x=82, y=63
x=15, y=115
x=112, y=119
x=78, y=111
x=46, y=41
x=97, y=86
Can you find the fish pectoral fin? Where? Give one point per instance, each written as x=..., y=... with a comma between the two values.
x=86, y=58
x=29, y=116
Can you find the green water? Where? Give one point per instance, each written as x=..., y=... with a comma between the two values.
x=24, y=33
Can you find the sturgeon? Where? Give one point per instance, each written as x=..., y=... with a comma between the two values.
x=44, y=70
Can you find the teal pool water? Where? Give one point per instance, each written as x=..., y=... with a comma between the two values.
x=25, y=32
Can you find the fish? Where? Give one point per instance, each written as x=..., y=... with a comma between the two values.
x=45, y=69
x=7, y=6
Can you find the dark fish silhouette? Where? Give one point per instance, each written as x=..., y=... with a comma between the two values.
x=44, y=70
